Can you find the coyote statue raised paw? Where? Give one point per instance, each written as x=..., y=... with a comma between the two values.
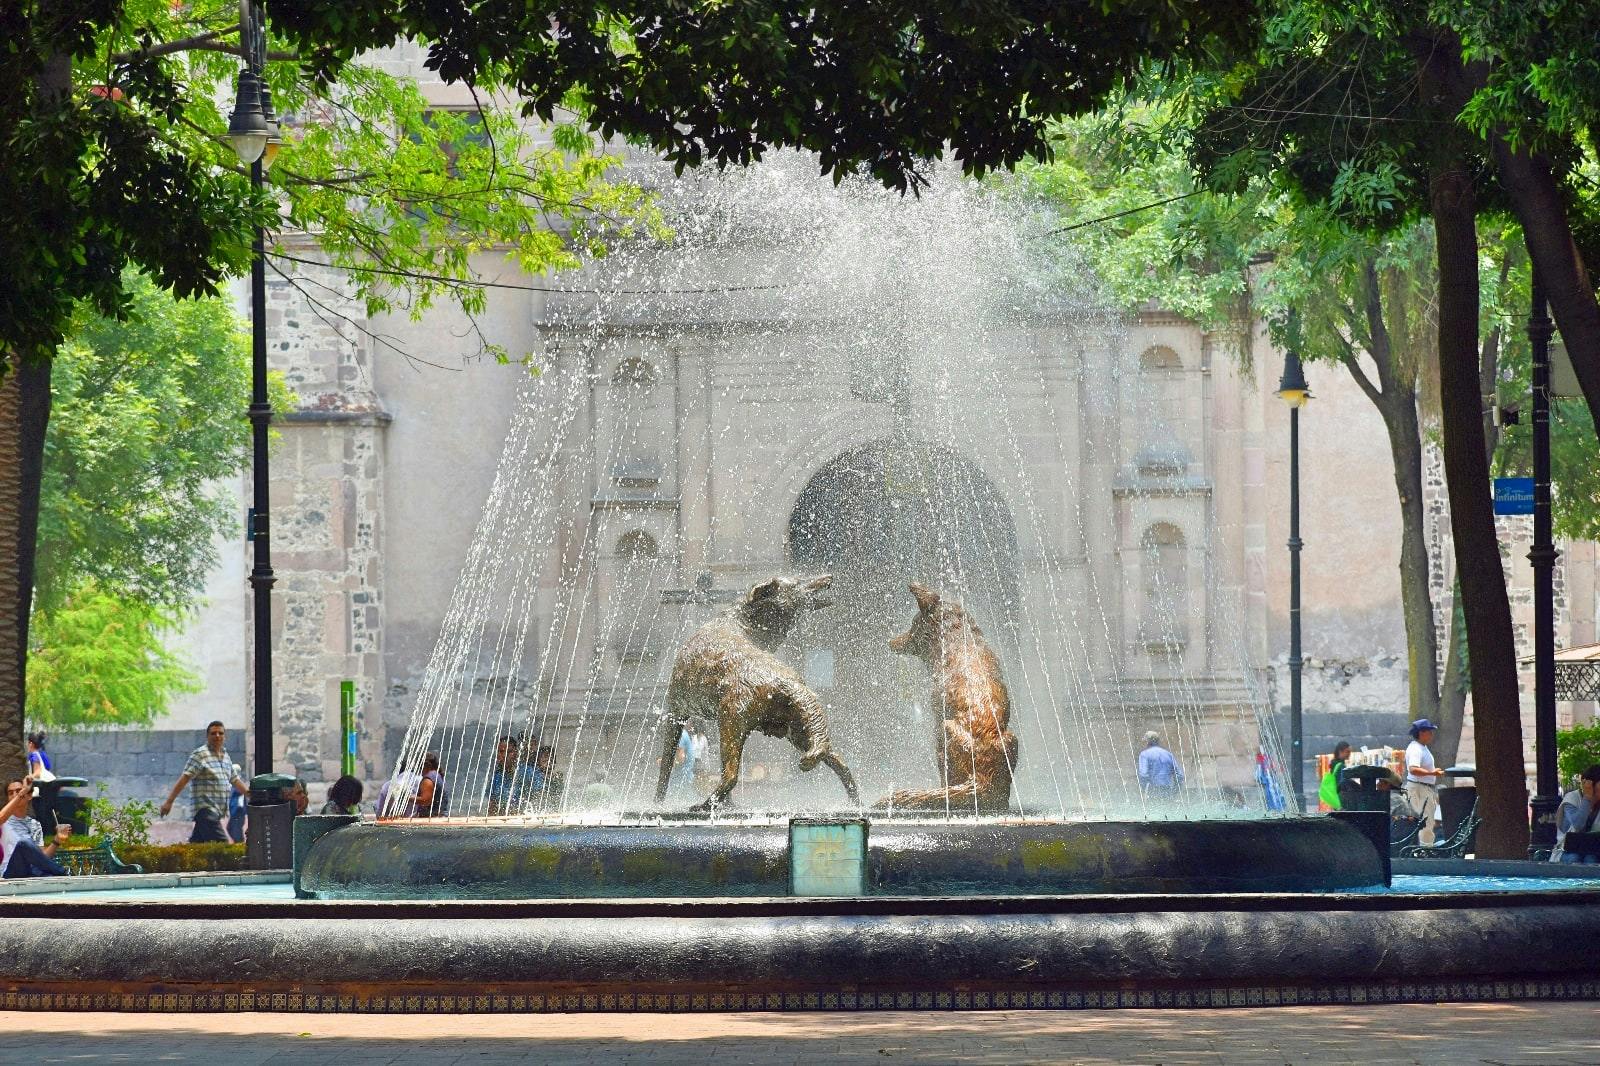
x=727, y=673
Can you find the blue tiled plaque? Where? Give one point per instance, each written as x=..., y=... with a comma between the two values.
x=827, y=857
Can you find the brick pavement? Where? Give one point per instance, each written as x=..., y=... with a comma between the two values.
x=1480, y=1034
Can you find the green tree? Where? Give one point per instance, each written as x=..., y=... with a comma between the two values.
x=147, y=419
x=1356, y=109
x=146, y=423
x=112, y=157
x=1338, y=295
x=100, y=660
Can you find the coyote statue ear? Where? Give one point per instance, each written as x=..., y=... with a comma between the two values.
x=927, y=599
x=765, y=589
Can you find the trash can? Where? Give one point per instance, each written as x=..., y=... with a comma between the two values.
x=1454, y=806
x=270, y=832
x=1359, y=791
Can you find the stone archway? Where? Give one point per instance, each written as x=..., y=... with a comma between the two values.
x=878, y=517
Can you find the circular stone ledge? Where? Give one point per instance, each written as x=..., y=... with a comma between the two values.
x=1243, y=951
x=421, y=860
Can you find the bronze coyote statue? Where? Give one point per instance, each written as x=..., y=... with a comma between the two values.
x=976, y=752
x=727, y=673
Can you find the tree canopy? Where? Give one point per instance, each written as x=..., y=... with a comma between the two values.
x=879, y=86
x=146, y=429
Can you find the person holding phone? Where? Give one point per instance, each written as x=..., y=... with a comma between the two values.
x=22, y=837
x=1576, y=838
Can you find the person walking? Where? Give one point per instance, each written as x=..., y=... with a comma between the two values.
x=39, y=767
x=1576, y=838
x=1422, y=779
x=1160, y=776
x=1328, y=789
x=210, y=772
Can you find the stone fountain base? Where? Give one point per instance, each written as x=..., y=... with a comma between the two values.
x=427, y=860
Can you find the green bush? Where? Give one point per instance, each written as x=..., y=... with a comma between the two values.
x=126, y=825
x=1577, y=749
x=184, y=858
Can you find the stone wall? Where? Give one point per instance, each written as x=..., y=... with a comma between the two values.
x=327, y=525
x=133, y=764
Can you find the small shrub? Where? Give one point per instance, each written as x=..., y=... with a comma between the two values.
x=1577, y=749
x=126, y=825
x=185, y=858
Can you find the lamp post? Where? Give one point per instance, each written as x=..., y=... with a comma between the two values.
x=253, y=130
x=1293, y=390
x=1542, y=835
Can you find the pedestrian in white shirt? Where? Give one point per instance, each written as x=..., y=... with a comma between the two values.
x=1422, y=779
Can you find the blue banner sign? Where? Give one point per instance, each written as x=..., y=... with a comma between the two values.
x=1513, y=495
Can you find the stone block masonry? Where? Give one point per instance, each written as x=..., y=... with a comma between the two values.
x=327, y=499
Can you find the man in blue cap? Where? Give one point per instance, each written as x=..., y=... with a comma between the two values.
x=1422, y=779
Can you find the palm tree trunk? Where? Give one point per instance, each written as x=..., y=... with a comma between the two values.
x=24, y=414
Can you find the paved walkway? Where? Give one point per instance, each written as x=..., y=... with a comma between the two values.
x=1556, y=1034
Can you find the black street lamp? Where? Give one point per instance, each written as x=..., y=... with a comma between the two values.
x=1543, y=554
x=1293, y=390
x=253, y=130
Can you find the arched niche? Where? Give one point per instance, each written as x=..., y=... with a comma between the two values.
x=636, y=546
x=1161, y=358
x=636, y=372
x=1164, y=602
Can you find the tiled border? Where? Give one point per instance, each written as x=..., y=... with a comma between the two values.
x=612, y=1000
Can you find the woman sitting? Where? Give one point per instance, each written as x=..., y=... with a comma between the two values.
x=433, y=796
x=1576, y=838
x=344, y=797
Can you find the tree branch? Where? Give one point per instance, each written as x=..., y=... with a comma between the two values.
x=1381, y=350
x=203, y=41
x=1352, y=363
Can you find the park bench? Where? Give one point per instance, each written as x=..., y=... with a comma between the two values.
x=1453, y=848
x=98, y=859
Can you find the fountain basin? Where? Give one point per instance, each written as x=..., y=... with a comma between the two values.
x=887, y=953
x=507, y=860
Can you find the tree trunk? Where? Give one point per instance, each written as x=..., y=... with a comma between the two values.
x=1454, y=688
x=1536, y=198
x=24, y=414
x=1452, y=692
x=1496, y=701
x=1416, y=600
x=1395, y=397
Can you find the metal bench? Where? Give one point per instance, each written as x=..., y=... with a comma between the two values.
x=1453, y=848
x=99, y=859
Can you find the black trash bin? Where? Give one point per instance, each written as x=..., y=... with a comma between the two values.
x=269, y=835
x=1359, y=791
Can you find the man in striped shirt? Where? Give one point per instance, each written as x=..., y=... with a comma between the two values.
x=208, y=774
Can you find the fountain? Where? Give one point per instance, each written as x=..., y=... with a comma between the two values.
x=936, y=803
x=906, y=395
